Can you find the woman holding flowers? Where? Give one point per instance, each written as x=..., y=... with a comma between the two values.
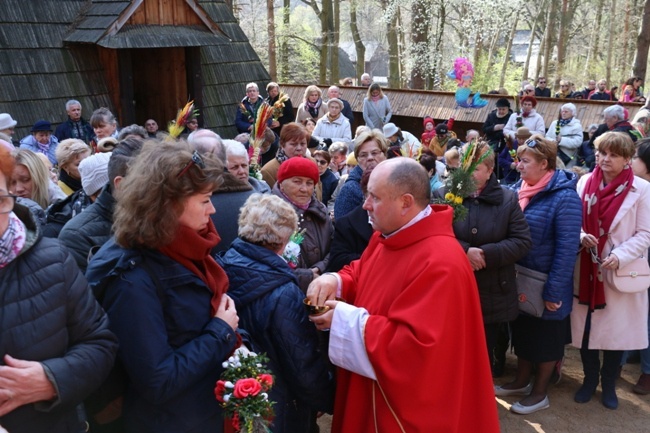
x=527, y=117
x=566, y=131
x=164, y=294
x=282, y=107
x=494, y=235
x=553, y=211
x=269, y=303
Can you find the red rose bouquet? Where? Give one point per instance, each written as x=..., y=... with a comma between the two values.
x=242, y=391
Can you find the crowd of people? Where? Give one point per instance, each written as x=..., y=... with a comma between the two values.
x=131, y=257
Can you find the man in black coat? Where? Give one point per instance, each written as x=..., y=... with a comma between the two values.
x=541, y=89
x=76, y=126
x=85, y=234
x=494, y=124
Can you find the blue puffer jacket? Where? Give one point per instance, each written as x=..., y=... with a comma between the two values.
x=170, y=345
x=554, y=216
x=351, y=194
x=269, y=304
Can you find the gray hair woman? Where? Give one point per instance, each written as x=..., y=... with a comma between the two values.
x=567, y=133
x=70, y=153
x=269, y=301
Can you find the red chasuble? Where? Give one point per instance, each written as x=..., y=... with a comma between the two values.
x=424, y=337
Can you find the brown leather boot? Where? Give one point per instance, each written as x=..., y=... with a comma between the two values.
x=643, y=385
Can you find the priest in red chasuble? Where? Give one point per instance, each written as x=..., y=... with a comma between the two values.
x=409, y=337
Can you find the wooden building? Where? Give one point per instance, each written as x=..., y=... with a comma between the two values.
x=140, y=58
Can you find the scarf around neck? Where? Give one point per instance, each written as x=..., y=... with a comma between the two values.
x=192, y=250
x=74, y=184
x=313, y=107
x=599, y=208
x=564, y=122
x=527, y=192
x=44, y=148
x=12, y=240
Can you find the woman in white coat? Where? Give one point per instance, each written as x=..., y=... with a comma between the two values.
x=528, y=117
x=567, y=133
x=615, y=231
x=334, y=126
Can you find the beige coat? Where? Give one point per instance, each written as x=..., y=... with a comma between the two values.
x=623, y=323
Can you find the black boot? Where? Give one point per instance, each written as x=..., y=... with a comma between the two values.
x=608, y=375
x=590, y=367
x=500, y=350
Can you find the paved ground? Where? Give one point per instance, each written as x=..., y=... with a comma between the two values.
x=566, y=416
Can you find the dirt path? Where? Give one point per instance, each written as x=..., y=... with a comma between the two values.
x=567, y=416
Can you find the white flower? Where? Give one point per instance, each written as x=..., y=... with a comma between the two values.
x=226, y=397
x=224, y=364
x=229, y=384
x=231, y=360
x=265, y=396
x=292, y=249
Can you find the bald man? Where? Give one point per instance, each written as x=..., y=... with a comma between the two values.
x=409, y=338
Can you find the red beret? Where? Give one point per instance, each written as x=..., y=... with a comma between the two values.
x=298, y=166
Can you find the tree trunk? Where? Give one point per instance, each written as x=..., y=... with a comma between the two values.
x=490, y=59
x=623, y=64
x=358, y=43
x=393, y=52
x=270, y=17
x=420, y=18
x=529, y=51
x=437, y=47
x=284, y=44
x=506, y=57
x=562, y=40
x=548, y=39
x=336, y=75
x=642, y=44
x=610, y=46
x=595, y=37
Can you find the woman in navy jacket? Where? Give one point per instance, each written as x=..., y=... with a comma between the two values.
x=164, y=294
x=554, y=214
x=269, y=303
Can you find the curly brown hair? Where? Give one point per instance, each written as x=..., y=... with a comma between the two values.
x=152, y=196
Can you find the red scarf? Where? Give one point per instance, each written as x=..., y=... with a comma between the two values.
x=527, y=192
x=192, y=250
x=599, y=207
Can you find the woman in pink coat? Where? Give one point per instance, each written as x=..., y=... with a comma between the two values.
x=615, y=231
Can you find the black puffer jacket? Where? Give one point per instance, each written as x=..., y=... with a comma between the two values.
x=496, y=224
x=84, y=234
x=48, y=314
x=269, y=305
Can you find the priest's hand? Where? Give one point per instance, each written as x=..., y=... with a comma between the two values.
x=322, y=289
x=323, y=321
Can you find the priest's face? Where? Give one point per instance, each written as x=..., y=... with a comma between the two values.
x=384, y=207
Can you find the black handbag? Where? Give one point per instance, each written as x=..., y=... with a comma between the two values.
x=530, y=286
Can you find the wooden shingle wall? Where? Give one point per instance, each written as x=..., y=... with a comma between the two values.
x=38, y=74
x=442, y=105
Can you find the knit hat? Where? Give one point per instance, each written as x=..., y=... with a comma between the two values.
x=427, y=120
x=389, y=130
x=503, y=102
x=442, y=129
x=335, y=100
x=298, y=166
x=94, y=172
x=6, y=121
x=42, y=125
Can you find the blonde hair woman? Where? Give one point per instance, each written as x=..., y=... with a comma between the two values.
x=311, y=105
x=31, y=180
x=376, y=108
x=70, y=153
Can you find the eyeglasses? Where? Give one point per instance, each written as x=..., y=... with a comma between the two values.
x=196, y=160
x=7, y=203
x=375, y=154
x=542, y=82
x=321, y=162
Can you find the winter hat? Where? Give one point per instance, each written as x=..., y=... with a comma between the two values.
x=389, y=130
x=442, y=129
x=42, y=125
x=503, y=102
x=523, y=133
x=298, y=166
x=335, y=100
x=6, y=121
x=94, y=172
x=428, y=120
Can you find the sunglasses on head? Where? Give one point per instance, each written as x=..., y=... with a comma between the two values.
x=530, y=143
x=196, y=160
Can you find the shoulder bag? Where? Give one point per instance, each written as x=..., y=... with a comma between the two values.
x=530, y=286
x=631, y=278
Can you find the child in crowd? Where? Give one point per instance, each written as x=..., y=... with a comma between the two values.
x=429, y=131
